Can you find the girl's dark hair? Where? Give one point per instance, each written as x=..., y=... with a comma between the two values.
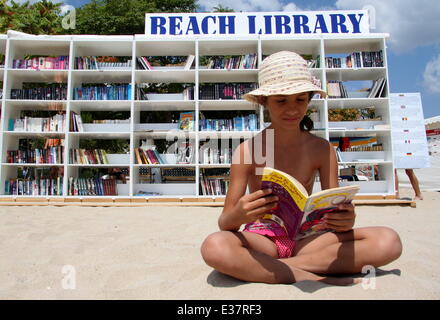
x=306, y=123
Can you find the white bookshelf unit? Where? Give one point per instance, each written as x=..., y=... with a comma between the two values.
x=16, y=47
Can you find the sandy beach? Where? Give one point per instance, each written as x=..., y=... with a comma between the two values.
x=153, y=253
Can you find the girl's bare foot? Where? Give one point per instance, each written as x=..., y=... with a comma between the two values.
x=418, y=197
x=301, y=275
x=344, y=281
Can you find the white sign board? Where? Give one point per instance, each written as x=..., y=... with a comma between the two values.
x=258, y=23
x=410, y=146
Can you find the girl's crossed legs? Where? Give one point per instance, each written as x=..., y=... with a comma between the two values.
x=252, y=257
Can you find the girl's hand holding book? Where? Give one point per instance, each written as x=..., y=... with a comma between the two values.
x=342, y=219
x=254, y=206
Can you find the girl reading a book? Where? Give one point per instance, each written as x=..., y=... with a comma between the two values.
x=263, y=251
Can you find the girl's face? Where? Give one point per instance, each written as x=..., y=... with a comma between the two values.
x=287, y=110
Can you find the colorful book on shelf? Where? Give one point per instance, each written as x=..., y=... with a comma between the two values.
x=91, y=187
x=52, y=92
x=34, y=124
x=158, y=157
x=83, y=156
x=103, y=92
x=34, y=187
x=151, y=156
x=138, y=156
x=214, y=184
x=186, y=121
x=298, y=212
x=147, y=63
x=42, y=63
x=147, y=156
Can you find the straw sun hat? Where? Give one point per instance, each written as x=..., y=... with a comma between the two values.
x=284, y=73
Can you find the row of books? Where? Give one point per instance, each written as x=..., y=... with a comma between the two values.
x=76, y=124
x=54, y=92
x=364, y=59
x=210, y=154
x=110, y=92
x=34, y=187
x=112, y=121
x=42, y=63
x=213, y=185
x=91, y=187
x=52, y=155
x=336, y=89
x=378, y=88
x=55, y=123
x=147, y=156
x=248, y=61
x=84, y=156
x=358, y=172
x=355, y=143
x=246, y=123
x=178, y=174
x=101, y=63
x=144, y=64
x=375, y=147
x=225, y=90
x=188, y=93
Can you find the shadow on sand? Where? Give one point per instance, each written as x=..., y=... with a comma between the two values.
x=217, y=279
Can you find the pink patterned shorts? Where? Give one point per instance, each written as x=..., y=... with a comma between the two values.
x=276, y=233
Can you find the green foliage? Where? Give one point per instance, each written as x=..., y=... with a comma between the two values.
x=123, y=16
x=109, y=145
x=31, y=144
x=95, y=17
x=352, y=114
x=220, y=8
x=43, y=17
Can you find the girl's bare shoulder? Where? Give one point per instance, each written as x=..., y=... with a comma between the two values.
x=318, y=147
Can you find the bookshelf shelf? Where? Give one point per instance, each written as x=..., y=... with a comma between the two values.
x=358, y=133
x=215, y=165
x=37, y=134
x=33, y=164
x=222, y=75
x=165, y=165
x=226, y=105
x=315, y=48
x=28, y=75
x=108, y=165
x=182, y=76
x=100, y=135
x=226, y=134
x=97, y=105
x=355, y=74
x=370, y=161
x=101, y=76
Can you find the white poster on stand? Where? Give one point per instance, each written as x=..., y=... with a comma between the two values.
x=410, y=146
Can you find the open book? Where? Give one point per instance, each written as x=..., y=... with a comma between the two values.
x=300, y=213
